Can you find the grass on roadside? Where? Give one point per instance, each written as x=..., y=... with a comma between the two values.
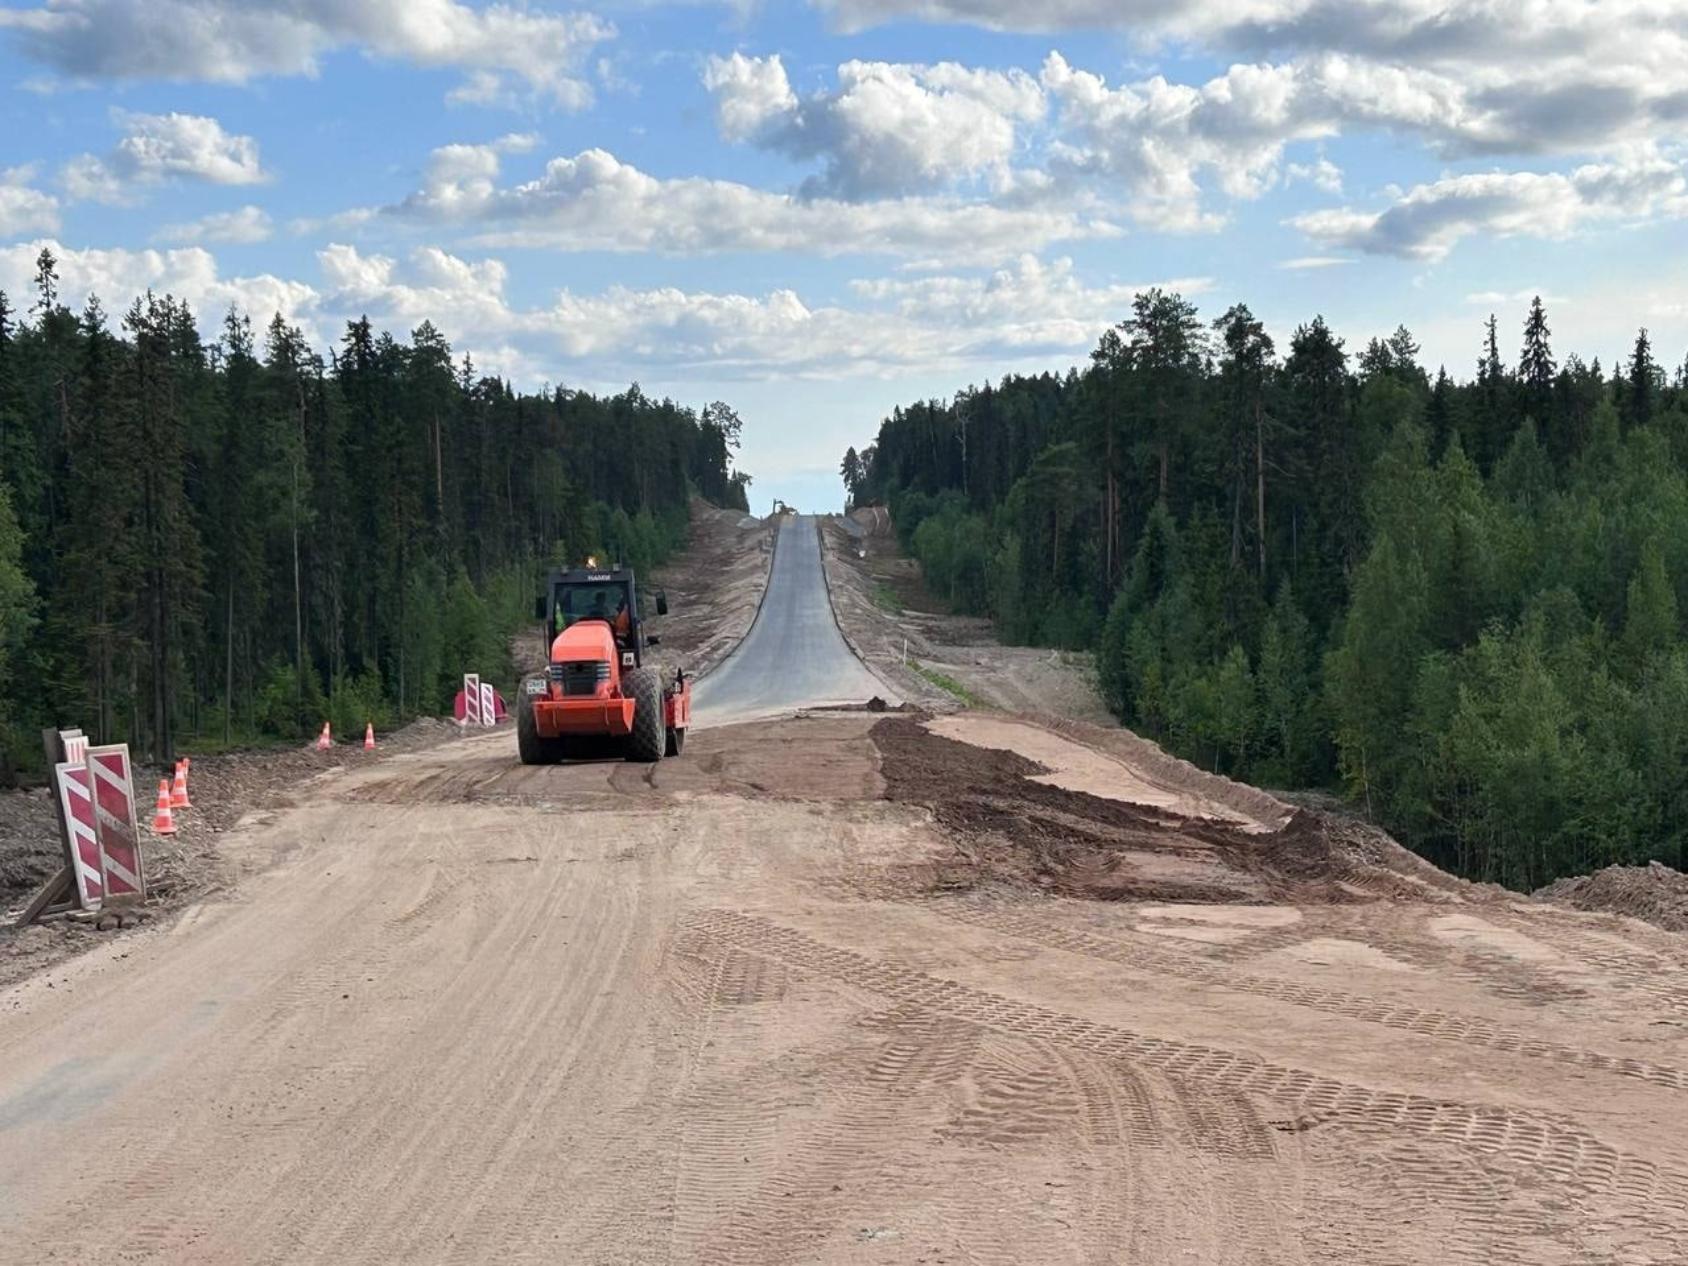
x=947, y=683
x=885, y=598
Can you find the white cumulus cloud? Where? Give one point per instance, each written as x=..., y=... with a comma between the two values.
x=750, y=93
x=1428, y=221
x=887, y=128
x=245, y=225
x=1028, y=309
x=501, y=47
x=161, y=147
x=594, y=201
x=23, y=207
x=191, y=273
x=1538, y=75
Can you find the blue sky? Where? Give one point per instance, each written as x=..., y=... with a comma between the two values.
x=818, y=210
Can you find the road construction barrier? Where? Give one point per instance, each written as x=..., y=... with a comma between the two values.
x=163, y=821
x=78, y=804
x=325, y=740
x=478, y=703
x=75, y=746
x=115, y=823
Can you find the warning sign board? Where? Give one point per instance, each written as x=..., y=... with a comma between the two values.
x=471, y=699
x=114, y=822
x=78, y=805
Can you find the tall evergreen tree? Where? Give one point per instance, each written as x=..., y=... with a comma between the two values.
x=1164, y=342
x=1491, y=423
x=1244, y=369
x=1642, y=386
x=1536, y=367
x=1327, y=522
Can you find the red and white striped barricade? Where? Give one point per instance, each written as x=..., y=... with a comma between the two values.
x=471, y=699
x=115, y=823
x=489, y=704
x=78, y=805
x=75, y=746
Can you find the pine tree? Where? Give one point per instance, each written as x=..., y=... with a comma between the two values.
x=46, y=283
x=1371, y=670
x=1376, y=361
x=165, y=536
x=1165, y=346
x=1244, y=368
x=850, y=470
x=20, y=470
x=1438, y=412
x=1492, y=425
x=1288, y=691
x=1650, y=618
x=1110, y=371
x=1331, y=462
x=17, y=592
x=1536, y=367
x=1403, y=350
x=1642, y=387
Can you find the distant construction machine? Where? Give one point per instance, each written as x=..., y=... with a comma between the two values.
x=597, y=693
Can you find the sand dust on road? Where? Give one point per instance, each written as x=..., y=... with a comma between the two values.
x=836, y=989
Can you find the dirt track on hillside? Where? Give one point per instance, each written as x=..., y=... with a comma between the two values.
x=826, y=992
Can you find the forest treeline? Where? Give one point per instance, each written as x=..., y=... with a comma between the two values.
x=242, y=538
x=1460, y=602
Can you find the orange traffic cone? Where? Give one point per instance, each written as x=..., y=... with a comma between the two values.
x=163, y=821
x=179, y=792
x=369, y=737
x=324, y=742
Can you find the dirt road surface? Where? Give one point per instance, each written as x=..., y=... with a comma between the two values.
x=837, y=988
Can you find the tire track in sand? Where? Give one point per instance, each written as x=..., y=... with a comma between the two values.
x=1467, y=1029
x=1556, y=1151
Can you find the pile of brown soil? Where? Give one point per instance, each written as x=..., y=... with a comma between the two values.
x=1011, y=830
x=30, y=852
x=1653, y=893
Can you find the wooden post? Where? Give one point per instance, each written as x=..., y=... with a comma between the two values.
x=52, y=892
x=52, y=747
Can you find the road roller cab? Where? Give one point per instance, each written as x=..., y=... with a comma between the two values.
x=597, y=692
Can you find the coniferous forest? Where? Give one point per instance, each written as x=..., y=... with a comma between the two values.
x=217, y=542
x=1459, y=602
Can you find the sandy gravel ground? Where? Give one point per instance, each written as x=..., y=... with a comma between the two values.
x=182, y=868
x=833, y=990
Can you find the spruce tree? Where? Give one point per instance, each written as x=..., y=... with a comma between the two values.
x=1641, y=390
x=17, y=593
x=1536, y=367
x=1491, y=428
x=1244, y=368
